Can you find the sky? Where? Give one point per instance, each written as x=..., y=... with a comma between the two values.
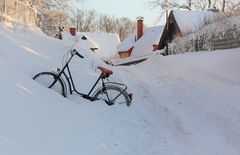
x=124, y=8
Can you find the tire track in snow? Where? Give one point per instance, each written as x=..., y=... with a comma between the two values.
x=167, y=125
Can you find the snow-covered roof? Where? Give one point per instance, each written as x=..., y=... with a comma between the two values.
x=192, y=21
x=127, y=43
x=106, y=42
x=83, y=40
x=145, y=44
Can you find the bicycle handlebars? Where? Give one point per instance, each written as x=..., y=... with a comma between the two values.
x=75, y=52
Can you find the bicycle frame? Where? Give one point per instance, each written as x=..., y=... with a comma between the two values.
x=88, y=96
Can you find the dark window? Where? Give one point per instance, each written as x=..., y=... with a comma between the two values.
x=84, y=38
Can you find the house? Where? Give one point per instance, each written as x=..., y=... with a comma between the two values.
x=103, y=45
x=182, y=22
x=81, y=40
x=106, y=43
x=142, y=42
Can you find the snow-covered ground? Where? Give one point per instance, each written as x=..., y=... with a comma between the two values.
x=183, y=105
x=192, y=101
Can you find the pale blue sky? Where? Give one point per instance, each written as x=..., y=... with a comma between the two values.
x=124, y=8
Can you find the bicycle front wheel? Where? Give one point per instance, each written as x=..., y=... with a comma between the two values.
x=52, y=81
x=113, y=95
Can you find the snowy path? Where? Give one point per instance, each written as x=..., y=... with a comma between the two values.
x=167, y=132
x=188, y=111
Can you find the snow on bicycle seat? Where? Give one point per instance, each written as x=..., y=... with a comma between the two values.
x=105, y=70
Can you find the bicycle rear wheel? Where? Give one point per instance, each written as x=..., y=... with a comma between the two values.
x=112, y=94
x=52, y=81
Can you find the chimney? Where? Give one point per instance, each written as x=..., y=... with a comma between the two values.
x=155, y=47
x=73, y=31
x=139, y=27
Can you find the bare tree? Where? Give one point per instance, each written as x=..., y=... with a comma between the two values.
x=84, y=20
x=54, y=14
x=226, y=5
x=166, y=5
x=106, y=23
x=201, y=4
x=232, y=4
x=58, y=13
x=209, y=3
x=91, y=21
x=189, y=4
x=223, y=5
x=124, y=27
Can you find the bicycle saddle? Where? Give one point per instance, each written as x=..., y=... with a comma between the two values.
x=105, y=70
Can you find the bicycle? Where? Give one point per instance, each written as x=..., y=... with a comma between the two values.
x=110, y=92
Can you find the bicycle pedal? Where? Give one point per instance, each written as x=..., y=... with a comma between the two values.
x=130, y=96
x=109, y=104
x=94, y=99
